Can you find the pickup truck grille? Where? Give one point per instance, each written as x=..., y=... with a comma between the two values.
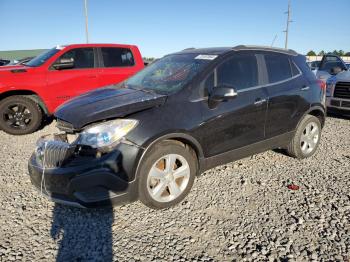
x=54, y=153
x=342, y=90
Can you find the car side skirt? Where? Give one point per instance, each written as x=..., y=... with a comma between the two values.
x=236, y=154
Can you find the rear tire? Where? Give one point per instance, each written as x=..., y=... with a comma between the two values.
x=167, y=173
x=306, y=138
x=20, y=115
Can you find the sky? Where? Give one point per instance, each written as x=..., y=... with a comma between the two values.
x=159, y=27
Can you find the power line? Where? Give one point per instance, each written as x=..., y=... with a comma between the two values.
x=274, y=40
x=86, y=22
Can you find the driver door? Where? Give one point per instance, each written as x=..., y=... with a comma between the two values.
x=67, y=83
x=239, y=122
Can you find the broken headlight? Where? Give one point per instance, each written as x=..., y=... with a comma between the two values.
x=107, y=134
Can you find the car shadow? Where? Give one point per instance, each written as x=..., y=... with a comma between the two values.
x=83, y=234
x=338, y=115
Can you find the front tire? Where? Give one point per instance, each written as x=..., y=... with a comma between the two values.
x=167, y=173
x=306, y=139
x=20, y=115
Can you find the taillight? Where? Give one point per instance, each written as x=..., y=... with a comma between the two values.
x=322, y=84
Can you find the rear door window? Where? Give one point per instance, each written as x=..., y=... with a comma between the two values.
x=117, y=57
x=83, y=57
x=240, y=72
x=278, y=67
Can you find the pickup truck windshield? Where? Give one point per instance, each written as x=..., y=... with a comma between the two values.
x=169, y=74
x=42, y=58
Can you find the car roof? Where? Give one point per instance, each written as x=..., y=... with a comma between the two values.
x=223, y=50
x=97, y=45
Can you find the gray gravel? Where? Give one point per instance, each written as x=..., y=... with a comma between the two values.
x=240, y=211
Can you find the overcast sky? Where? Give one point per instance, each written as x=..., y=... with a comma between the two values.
x=159, y=27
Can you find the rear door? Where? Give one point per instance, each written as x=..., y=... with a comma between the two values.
x=116, y=65
x=287, y=90
x=67, y=83
x=241, y=121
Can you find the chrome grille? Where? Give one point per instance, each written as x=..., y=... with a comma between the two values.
x=342, y=90
x=54, y=153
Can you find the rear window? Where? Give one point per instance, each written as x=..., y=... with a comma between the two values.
x=117, y=57
x=278, y=67
x=295, y=70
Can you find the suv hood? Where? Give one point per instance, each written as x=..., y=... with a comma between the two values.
x=343, y=76
x=106, y=103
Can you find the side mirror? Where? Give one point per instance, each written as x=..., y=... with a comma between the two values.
x=336, y=70
x=64, y=63
x=221, y=93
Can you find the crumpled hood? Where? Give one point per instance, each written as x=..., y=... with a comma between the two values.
x=106, y=103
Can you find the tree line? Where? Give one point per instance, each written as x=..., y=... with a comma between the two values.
x=335, y=52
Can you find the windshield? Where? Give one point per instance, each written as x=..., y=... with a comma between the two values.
x=169, y=74
x=43, y=57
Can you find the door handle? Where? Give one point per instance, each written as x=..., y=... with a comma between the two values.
x=259, y=101
x=305, y=88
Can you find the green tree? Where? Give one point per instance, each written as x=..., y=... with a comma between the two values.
x=341, y=53
x=347, y=54
x=322, y=53
x=311, y=53
x=335, y=52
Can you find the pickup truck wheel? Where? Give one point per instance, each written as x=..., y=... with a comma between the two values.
x=19, y=115
x=168, y=172
x=306, y=139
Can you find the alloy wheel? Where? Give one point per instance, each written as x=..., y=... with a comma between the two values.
x=17, y=116
x=168, y=178
x=309, y=138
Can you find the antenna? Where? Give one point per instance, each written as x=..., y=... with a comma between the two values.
x=288, y=22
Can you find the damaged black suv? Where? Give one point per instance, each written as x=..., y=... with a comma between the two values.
x=149, y=137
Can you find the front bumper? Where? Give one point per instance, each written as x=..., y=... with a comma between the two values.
x=90, y=181
x=338, y=103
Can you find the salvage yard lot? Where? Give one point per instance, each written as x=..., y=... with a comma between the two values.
x=242, y=209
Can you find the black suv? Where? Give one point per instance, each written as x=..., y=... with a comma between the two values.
x=150, y=136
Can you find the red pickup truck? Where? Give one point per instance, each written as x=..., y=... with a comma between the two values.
x=31, y=91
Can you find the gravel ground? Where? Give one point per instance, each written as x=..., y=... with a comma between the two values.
x=239, y=211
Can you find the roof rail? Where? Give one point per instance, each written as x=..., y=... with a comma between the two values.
x=190, y=48
x=266, y=48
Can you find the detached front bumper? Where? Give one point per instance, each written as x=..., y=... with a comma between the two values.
x=89, y=180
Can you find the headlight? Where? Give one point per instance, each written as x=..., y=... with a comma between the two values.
x=107, y=134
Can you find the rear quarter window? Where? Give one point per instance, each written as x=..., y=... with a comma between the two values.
x=278, y=67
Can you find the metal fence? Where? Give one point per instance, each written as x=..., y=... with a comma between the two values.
x=346, y=59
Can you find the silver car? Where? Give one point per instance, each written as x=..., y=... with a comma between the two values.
x=335, y=74
x=330, y=65
x=338, y=92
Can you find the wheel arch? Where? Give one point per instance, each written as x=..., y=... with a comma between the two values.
x=29, y=94
x=318, y=112
x=183, y=138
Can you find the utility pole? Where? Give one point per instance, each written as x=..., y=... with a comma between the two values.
x=288, y=22
x=86, y=22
